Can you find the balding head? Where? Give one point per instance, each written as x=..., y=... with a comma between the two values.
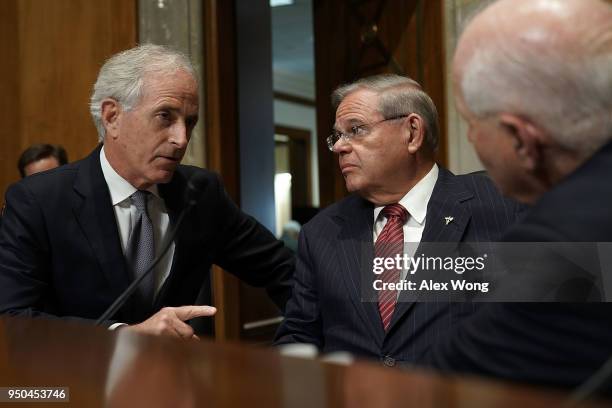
x=547, y=62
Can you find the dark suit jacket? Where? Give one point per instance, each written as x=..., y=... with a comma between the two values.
x=557, y=344
x=60, y=252
x=327, y=308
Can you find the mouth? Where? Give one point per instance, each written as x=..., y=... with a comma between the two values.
x=170, y=159
x=345, y=168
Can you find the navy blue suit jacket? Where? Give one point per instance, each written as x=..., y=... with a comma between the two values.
x=327, y=308
x=60, y=252
x=559, y=344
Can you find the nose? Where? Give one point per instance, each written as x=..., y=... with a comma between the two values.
x=180, y=135
x=342, y=146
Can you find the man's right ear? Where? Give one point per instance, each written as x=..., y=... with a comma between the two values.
x=527, y=140
x=111, y=115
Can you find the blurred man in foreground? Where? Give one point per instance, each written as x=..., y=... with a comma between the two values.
x=533, y=79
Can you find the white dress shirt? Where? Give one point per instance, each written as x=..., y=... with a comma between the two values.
x=125, y=215
x=415, y=201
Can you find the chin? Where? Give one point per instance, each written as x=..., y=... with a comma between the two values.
x=163, y=176
x=351, y=187
x=353, y=183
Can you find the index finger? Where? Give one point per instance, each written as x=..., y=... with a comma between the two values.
x=189, y=312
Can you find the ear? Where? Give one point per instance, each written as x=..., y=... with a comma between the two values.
x=414, y=129
x=111, y=115
x=528, y=139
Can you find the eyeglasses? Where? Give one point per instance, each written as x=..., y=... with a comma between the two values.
x=355, y=132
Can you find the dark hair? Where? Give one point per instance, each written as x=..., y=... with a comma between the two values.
x=41, y=151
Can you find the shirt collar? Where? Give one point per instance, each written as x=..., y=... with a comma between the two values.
x=416, y=200
x=120, y=189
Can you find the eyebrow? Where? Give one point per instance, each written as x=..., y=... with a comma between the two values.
x=354, y=120
x=174, y=109
x=166, y=106
x=351, y=121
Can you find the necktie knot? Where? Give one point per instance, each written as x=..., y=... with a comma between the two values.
x=395, y=210
x=139, y=199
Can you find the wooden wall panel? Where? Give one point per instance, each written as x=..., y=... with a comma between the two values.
x=433, y=67
x=10, y=130
x=331, y=54
x=236, y=302
x=56, y=49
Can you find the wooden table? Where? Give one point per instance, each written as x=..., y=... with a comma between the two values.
x=121, y=369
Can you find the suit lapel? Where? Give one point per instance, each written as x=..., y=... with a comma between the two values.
x=447, y=200
x=356, y=252
x=93, y=210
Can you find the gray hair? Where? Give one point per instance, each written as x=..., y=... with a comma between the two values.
x=566, y=91
x=122, y=77
x=399, y=95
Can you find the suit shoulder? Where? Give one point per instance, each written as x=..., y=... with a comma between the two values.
x=577, y=209
x=478, y=181
x=485, y=190
x=339, y=209
x=50, y=180
x=490, y=209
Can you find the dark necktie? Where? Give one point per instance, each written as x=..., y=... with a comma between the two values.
x=390, y=243
x=141, y=246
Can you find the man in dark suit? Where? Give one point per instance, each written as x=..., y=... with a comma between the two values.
x=533, y=81
x=74, y=238
x=385, y=135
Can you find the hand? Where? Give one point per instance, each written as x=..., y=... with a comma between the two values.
x=169, y=321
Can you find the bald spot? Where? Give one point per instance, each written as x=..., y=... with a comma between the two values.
x=580, y=28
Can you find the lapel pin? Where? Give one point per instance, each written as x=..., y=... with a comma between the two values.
x=448, y=220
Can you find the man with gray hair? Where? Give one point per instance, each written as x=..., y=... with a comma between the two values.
x=385, y=136
x=74, y=238
x=533, y=79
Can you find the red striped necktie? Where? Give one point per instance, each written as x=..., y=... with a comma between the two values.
x=390, y=243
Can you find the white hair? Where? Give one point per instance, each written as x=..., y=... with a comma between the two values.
x=564, y=88
x=122, y=77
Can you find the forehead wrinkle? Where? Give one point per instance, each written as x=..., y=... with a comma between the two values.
x=172, y=103
x=353, y=107
x=171, y=97
x=351, y=122
x=357, y=106
x=171, y=92
x=181, y=83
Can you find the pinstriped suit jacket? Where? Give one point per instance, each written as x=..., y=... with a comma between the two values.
x=327, y=308
x=552, y=344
